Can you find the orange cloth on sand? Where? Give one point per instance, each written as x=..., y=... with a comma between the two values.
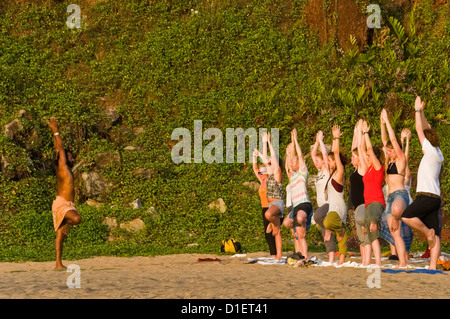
x=445, y=263
x=59, y=209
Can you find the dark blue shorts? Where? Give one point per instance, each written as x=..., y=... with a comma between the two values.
x=307, y=208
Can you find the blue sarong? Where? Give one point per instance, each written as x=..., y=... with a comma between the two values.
x=405, y=231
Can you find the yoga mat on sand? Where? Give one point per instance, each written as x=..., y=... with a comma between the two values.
x=420, y=271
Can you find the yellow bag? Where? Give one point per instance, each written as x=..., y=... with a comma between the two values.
x=230, y=246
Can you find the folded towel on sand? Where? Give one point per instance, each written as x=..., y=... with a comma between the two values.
x=267, y=261
x=420, y=271
x=272, y=262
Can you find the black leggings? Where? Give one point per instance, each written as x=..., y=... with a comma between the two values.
x=269, y=237
x=427, y=209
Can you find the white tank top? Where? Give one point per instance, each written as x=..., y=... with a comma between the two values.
x=320, y=182
x=337, y=202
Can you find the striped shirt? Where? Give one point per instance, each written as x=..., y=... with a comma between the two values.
x=298, y=187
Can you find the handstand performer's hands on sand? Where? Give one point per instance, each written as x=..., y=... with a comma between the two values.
x=63, y=208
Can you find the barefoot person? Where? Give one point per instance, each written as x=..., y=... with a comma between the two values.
x=423, y=213
x=398, y=198
x=357, y=197
x=63, y=208
x=374, y=202
x=299, y=199
x=405, y=231
x=261, y=174
x=320, y=181
x=288, y=220
x=405, y=137
x=274, y=194
x=336, y=218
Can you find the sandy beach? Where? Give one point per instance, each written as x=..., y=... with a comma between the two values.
x=240, y=277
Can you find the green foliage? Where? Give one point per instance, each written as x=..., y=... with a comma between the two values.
x=164, y=64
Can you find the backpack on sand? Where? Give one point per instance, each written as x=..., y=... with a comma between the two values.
x=230, y=246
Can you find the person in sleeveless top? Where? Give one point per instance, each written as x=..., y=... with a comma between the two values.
x=288, y=219
x=356, y=198
x=423, y=213
x=274, y=213
x=405, y=231
x=336, y=218
x=261, y=173
x=320, y=181
x=298, y=196
x=397, y=199
x=373, y=178
x=405, y=137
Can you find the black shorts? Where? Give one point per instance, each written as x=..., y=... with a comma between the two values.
x=425, y=208
x=306, y=207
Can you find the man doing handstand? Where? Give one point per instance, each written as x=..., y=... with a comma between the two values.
x=63, y=209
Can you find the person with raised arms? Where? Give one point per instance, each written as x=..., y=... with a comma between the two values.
x=320, y=181
x=261, y=174
x=299, y=199
x=288, y=219
x=336, y=218
x=373, y=177
x=274, y=193
x=406, y=231
x=63, y=209
x=398, y=198
x=423, y=213
x=356, y=199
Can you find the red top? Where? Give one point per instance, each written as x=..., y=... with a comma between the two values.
x=373, y=183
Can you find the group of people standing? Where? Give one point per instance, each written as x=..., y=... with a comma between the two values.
x=379, y=192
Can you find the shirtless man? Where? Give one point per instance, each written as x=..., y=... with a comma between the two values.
x=63, y=208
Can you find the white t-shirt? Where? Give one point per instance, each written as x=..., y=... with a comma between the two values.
x=429, y=169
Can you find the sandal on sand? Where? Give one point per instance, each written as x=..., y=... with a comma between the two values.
x=393, y=257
